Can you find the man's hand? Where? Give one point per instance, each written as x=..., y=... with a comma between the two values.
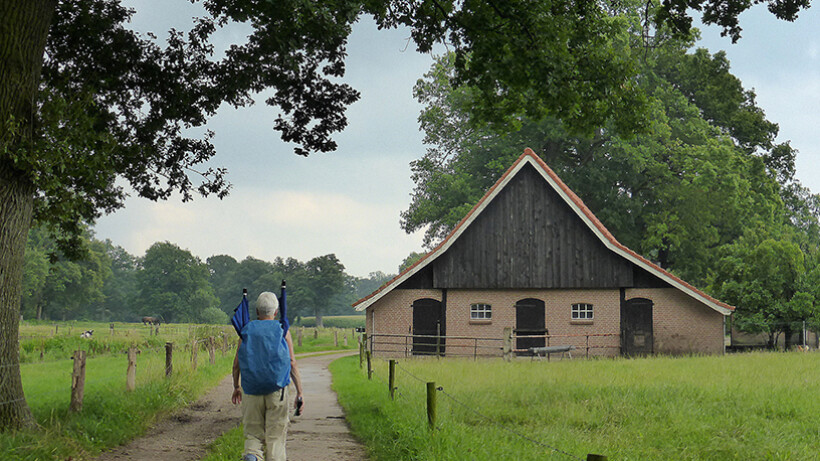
x=299, y=408
x=236, y=398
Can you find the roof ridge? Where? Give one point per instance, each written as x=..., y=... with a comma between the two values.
x=581, y=207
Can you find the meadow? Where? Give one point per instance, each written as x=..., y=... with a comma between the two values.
x=733, y=407
x=111, y=415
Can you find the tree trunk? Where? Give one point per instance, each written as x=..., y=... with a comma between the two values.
x=787, y=336
x=319, y=320
x=23, y=32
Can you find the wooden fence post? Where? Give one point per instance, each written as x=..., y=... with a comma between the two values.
x=211, y=350
x=336, y=338
x=169, y=359
x=224, y=343
x=431, y=405
x=507, y=347
x=391, y=379
x=591, y=457
x=194, y=347
x=42, y=348
x=111, y=329
x=299, y=336
x=77, y=382
x=369, y=366
x=131, y=373
x=56, y=329
x=315, y=332
x=345, y=340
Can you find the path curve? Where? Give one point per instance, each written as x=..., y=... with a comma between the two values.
x=321, y=433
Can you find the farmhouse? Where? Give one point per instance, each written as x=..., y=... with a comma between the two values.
x=531, y=257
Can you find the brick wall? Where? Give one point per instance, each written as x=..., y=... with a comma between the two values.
x=680, y=324
x=393, y=314
x=557, y=310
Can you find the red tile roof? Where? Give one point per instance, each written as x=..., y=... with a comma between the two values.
x=579, y=207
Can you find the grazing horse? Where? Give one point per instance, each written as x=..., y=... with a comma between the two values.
x=151, y=320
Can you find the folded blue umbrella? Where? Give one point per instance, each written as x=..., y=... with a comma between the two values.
x=242, y=316
x=283, y=309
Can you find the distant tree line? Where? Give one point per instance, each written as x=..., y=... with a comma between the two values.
x=110, y=284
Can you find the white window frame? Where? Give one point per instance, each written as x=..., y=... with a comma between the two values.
x=582, y=311
x=481, y=312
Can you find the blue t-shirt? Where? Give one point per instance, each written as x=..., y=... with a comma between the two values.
x=264, y=358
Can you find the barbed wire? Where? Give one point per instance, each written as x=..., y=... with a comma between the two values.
x=410, y=374
x=500, y=426
x=152, y=370
x=476, y=412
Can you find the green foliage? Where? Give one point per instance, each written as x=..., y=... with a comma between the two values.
x=411, y=259
x=743, y=406
x=705, y=169
x=173, y=284
x=213, y=315
x=57, y=287
x=767, y=279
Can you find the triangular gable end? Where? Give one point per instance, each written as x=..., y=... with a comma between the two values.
x=577, y=206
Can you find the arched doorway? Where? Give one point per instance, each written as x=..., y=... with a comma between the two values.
x=636, y=327
x=428, y=320
x=530, y=320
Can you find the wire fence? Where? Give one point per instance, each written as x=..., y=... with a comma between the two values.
x=471, y=409
x=398, y=345
x=152, y=366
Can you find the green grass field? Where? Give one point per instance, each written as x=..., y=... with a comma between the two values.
x=336, y=321
x=760, y=406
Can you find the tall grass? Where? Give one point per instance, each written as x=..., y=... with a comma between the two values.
x=43, y=342
x=750, y=406
x=110, y=415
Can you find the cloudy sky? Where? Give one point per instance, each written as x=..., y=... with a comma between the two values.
x=348, y=202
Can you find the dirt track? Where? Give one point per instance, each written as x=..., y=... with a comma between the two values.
x=321, y=433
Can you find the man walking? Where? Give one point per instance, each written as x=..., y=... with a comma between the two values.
x=266, y=364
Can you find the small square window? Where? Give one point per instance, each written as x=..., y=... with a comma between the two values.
x=582, y=311
x=481, y=312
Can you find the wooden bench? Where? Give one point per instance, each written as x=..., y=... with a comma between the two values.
x=545, y=351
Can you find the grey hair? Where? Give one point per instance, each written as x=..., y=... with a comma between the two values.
x=267, y=304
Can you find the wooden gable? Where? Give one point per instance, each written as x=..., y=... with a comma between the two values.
x=531, y=231
x=528, y=237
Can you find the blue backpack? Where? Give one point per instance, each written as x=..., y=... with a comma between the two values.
x=264, y=358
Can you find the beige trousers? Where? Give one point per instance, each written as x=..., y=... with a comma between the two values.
x=265, y=418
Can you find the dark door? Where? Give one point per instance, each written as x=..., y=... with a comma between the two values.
x=428, y=320
x=636, y=327
x=529, y=321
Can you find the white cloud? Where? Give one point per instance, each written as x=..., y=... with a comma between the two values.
x=266, y=224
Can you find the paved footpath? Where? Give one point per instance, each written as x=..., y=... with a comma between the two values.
x=320, y=433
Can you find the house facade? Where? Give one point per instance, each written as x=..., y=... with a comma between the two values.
x=532, y=257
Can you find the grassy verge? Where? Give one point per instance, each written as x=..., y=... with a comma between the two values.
x=228, y=447
x=110, y=415
x=749, y=406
